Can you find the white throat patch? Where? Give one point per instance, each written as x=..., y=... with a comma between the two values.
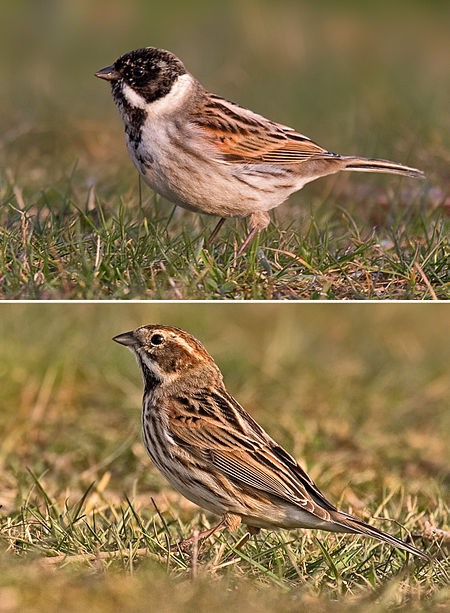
x=133, y=98
x=167, y=104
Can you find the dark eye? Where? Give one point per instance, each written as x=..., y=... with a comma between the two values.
x=138, y=72
x=157, y=339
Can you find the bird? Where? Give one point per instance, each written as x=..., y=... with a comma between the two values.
x=215, y=454
x=209, y=155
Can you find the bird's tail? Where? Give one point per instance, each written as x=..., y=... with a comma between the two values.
x=367, y=165
x=357, y=526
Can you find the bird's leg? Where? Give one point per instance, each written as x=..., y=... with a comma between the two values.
x=185, y=543
x=251, y=530
x=258, y=221
x=229, y=521
x=247, y=241
x=215, y=232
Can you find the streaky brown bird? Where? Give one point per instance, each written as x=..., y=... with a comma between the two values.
x=215, y=454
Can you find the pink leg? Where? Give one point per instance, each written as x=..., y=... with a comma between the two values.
x=251, y=530
x=247, y=241
x=185, y=543
x=215, y=232
x=258, y=221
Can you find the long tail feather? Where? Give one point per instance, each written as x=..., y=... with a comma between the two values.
x=359, y=527
x=367, y=165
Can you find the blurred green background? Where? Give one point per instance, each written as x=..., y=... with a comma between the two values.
x=359, y=392
x=359, y=77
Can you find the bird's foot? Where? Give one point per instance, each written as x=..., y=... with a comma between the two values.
x=229, y=521
x=185, y=544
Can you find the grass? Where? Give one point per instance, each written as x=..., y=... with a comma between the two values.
x=63, y=247
x=75, y=222
x=359, y=393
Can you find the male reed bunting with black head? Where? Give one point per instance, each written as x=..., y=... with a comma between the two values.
x=212, y=451
x=210, y=155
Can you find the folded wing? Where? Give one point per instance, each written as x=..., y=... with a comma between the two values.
x=242, y=136
x=218, y=432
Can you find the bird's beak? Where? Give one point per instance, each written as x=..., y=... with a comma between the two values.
x=108, y=73
x=127, y=338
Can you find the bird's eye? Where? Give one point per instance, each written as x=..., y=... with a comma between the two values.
x=138, y=72
x=157, y=339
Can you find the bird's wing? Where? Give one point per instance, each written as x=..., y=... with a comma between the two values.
x=214, y=428
x=241, y=136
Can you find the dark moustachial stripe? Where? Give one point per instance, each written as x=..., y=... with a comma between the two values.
x=150, y=379
x=135, y=116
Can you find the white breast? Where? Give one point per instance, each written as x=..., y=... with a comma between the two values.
x=177, y=161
